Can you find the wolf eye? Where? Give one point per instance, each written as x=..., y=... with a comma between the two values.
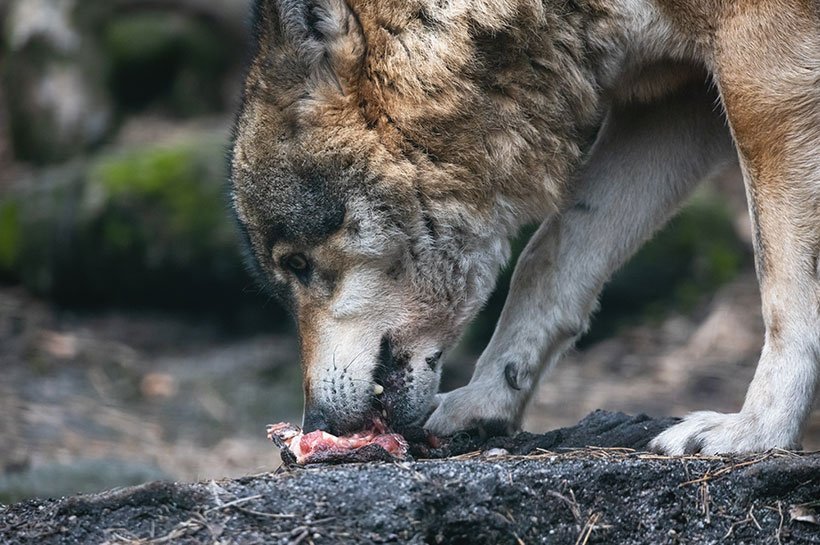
x=298, y=264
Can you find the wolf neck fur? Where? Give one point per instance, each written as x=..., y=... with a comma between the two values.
x=494, y=102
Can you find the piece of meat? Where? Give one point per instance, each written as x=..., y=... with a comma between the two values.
x=319, y=446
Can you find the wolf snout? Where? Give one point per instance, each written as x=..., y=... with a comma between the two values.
x=392, y=390
x=344, y=415
x=314, y=419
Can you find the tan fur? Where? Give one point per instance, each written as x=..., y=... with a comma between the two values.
x=398, y=145
x=468, y=99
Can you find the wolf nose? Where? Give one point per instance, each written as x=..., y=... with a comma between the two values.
x=314, y=420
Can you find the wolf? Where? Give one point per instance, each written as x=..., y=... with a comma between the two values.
x=386, y=151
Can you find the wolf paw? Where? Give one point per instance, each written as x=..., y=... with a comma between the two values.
x=716, y=433
x=472, y=408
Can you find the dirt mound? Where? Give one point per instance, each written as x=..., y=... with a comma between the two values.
x=554, y=494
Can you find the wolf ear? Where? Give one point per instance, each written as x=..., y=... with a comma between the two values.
x=325, y=35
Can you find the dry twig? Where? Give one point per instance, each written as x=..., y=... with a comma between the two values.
x=588, y=528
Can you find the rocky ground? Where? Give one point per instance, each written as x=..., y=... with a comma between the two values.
x=554, y=494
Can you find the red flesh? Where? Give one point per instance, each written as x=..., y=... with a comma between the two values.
x=306, y=446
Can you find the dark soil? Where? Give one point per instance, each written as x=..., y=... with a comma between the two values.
x=555, y=494
x=601, y=429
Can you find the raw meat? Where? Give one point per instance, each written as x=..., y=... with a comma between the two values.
x=319, y=446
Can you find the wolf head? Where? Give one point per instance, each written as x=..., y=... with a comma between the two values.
x=377, y=184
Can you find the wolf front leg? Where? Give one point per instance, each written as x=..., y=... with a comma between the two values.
x=772, y=99
x=644, y=163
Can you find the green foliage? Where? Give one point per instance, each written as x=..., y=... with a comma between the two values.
x=154, y=226
x=146, y=227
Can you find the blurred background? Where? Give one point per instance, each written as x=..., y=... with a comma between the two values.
x=134, y=346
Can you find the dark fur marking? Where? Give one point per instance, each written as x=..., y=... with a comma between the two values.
x=312, y=20
x=815, y=263
x=385, y=354
x=307, y=211
x=392, y=30
x=414, y=255
x=582, y=206
x=427, y=19
x=423, y=150
x=430, y=225
x=401, y=360
x=429, y=222
x=329, y=279
x=281, y=292
x=693, y=446
x=774, y=326
x=354, y=228
x=759, y=243
x=511, y=376
x=569, y=333
x=395, y=270
x=432, y=361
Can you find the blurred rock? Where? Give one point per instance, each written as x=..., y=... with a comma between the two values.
x=576, y=496
x=14, y=455
x=60, y=345
x=158, y=385
x=81, y=477
x=144, y=396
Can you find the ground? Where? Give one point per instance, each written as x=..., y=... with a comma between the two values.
x=555, y=495
x=91, y=401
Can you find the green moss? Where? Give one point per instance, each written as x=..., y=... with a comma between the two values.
x=140, y=228
x=10, y=236
x=144, y=171
x=169, y=194
x=153, y=227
